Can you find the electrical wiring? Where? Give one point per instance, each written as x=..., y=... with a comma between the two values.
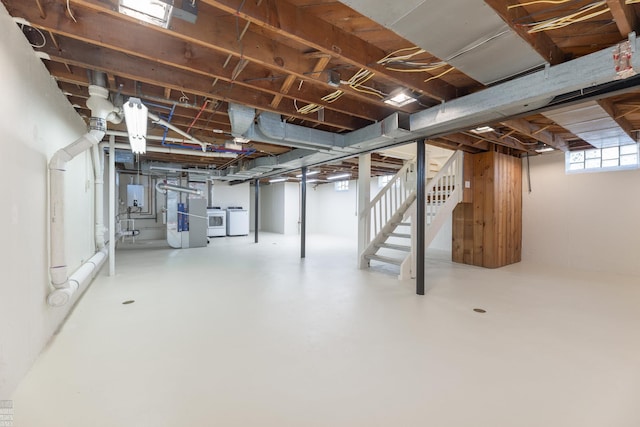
x=71, y=13
x=513, y=6
x=583, y=14
x=439, y=75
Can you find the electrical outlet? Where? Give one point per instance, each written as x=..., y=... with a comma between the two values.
x=467, y=184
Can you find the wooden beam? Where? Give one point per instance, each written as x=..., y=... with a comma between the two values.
x=533, y=131
x=286, y=85
x=167, y=92
x=110, y=32
x=222, y=37
x=165, y=76
x=540, y=41
x=612, y=111
x=296, y=23
x=468, y=141
x=624, y=15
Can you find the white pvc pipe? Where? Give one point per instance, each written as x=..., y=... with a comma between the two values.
x=98, y=169
x=78, y=279
x=169, y=150
x=168, y=187
x=112, y=205
x=101, y=109
x=158, y=120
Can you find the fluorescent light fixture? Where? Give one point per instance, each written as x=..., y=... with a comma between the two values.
x=156, y=12
x=135, y=115
x=483, y=129
x=544, y=148
x=218, y=131
x=308, y=174
x=399, y=98
x=309, y=181
x=342, y=175
x=277, y=180
x=240, y=140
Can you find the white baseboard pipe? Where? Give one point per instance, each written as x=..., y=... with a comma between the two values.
x=83, y=275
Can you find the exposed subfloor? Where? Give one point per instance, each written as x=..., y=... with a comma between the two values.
x=239, y=334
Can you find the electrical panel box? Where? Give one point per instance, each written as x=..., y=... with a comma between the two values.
x=135, y=195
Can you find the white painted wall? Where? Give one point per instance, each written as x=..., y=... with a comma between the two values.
x=334, y=212
x=225, y=195
x=292, y=207
x=35, y=121
x=581, y=221
x=272, y=208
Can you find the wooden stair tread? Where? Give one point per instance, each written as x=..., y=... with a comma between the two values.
x=385, y=259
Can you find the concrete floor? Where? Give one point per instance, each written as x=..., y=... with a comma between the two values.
x=239, y=334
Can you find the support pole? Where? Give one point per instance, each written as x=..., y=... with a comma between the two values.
x=256, y=209
x=303, y=213
x=364, y=198
x=420, y=216
x=112, y=205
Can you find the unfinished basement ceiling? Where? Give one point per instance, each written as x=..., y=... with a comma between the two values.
x=322, y=65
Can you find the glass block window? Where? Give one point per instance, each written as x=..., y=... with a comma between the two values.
x=342, y=185
x=602, y=159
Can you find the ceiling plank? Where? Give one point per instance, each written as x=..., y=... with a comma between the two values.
x=108, y=31
x=540, y=42
x=608, y=106
x=284, y=89
x=536, y=132
x=294, y=22
x=624, y=15
x=222, y=37
x=164, y=76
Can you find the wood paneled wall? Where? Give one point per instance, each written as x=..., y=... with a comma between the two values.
x=487, y=230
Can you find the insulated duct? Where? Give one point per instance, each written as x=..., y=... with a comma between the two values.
x=519, y=96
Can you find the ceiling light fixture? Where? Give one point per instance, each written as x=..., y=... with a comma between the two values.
x=544, y=148
x=135, y=115
x=483, y=129
x=240, y=140
x=342, y=175
x=399, y=98
x=156, y=12
x=308, y=174
x=273, y=180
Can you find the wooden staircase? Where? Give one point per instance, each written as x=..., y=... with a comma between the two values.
x=392, y=213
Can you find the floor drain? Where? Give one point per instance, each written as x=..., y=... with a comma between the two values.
x=129, y=301
x=479, y=310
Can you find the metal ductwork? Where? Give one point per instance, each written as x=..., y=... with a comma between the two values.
x=477, y=42
x=515, y=97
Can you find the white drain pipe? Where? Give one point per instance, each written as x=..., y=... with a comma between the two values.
x=101, y=110
x=98, y=171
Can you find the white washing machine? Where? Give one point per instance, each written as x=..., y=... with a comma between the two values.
x=237, y=221
x=216, y=222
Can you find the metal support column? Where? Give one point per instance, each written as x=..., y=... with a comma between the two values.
x=112, y=205
x=256, y=209
x=303, y=213
x=420, y=216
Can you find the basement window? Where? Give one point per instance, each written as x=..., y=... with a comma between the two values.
x=602, y=159
x=342, y=185
x=384, y=180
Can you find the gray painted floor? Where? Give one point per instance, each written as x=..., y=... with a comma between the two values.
x=239, y=334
